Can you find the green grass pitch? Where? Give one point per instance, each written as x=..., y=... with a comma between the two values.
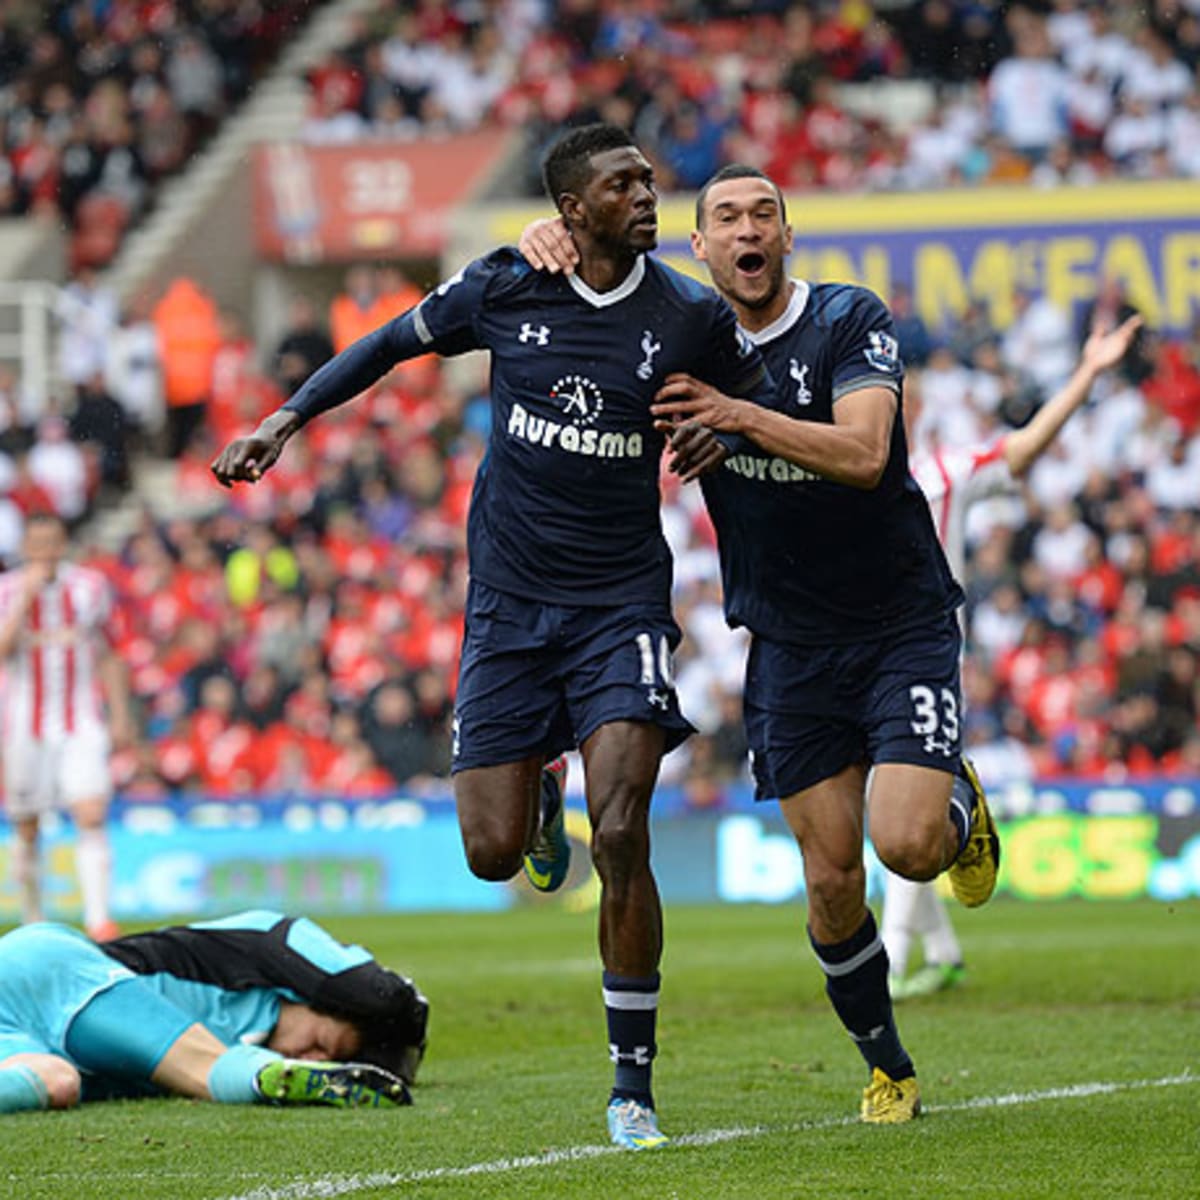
x=1069, y=1066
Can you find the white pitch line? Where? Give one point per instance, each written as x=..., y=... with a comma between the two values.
x=345, y=1185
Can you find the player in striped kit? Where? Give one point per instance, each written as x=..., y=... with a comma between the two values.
x=56, y=647
x=953, y=479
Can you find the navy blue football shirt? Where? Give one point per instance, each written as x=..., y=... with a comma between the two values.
x=804, y=560
x=565, y=507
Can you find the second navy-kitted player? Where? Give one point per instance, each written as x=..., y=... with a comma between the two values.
x=830, y=558
x=569, y=632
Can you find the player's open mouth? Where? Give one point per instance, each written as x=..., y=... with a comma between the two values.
x=646, y=223
x=751, y=263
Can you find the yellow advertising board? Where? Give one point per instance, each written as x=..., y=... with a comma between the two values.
x=951, y=247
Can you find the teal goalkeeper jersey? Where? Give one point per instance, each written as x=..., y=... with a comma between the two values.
x=50, y=972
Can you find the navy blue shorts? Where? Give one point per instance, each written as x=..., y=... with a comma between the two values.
x=542, y=678
x=813, y=711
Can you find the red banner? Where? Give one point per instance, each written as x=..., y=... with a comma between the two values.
x=370, y=200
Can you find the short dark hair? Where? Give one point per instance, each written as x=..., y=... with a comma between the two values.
x=567, y=165
x=737, y=171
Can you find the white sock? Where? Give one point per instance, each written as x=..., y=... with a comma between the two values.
x=941, y=943
x=26, y=876
x=93, y=859
x=901, y=898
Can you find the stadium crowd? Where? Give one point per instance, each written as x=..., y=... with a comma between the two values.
x=101, y=101
x=1047, y=93
x=301, y=636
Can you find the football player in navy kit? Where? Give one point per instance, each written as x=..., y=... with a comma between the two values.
x=569, y=632
x=830, y=558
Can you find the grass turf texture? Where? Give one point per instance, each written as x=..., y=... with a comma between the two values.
x=1058, y=995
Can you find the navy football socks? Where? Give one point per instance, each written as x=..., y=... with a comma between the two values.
x=856, y=973
x=962, y=805
x=631, y=1005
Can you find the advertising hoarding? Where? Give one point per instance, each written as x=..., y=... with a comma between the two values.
x=322, y=857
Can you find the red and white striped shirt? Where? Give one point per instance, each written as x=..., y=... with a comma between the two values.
x=952, y=480
x=50, y=685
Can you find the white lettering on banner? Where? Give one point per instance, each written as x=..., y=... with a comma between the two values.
x=377, y=186
x=753, y=865
x=591, y=443
x=167, y=883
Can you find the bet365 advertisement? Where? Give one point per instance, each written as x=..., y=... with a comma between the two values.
x=195, y=857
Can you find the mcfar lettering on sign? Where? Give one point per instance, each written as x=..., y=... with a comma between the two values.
x=980, y=246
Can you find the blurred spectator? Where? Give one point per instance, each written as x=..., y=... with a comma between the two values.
x=188, y=338
x=1029, y=91
x=1039, y=344
x=395, y=294
x=391, y=730
x=303, y=348
x=409, y=63
x=261, y=561
x=88, y=312
x=1183, y=134
x=133, y=370
x=99, y=421
x=1109, y=309
x=911, y=331
x=1152, y=74
x=194, y=76
x=352, y=313
x=1172, y=382
x=57, y=466
x=1174, y=482
x=1100, y=47
x=471, y=76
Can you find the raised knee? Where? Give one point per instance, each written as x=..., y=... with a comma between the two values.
x=911, y=857
x=492, y=859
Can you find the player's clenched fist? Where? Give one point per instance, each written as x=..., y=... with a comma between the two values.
x=247, y=459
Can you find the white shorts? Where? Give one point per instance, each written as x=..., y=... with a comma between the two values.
x=40, y=776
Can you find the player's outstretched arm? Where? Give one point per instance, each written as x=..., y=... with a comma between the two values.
x=546, y=245
x=339, y=380
x=1102, y=351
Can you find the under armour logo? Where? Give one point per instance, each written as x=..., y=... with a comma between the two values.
x=872, y=1035
x=639, y=1055
x=800, y=375
x=657, y=699
x=649, y=348
x=541, y=334
x=937, y=746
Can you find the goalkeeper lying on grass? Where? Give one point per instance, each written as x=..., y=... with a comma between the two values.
x=254, y=1008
